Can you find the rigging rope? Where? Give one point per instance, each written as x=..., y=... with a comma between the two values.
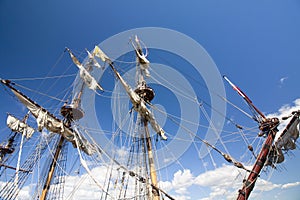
x=84, y=164
x=235, y=106
x=19, y=160
x=42, y=78
x=133, y=174
x=9, y=191
x=213, y=92
x=35, y=91
x=227, y=157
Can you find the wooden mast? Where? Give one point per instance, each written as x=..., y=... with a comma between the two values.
x=51, y=169
x=70, y=113
x=139, y=97
x=147, y=94
x=249, y=183
x=268, y=127
x=153, y=176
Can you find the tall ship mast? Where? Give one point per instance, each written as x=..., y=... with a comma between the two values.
x=59, y=151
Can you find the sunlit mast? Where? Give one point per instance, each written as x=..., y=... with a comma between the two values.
x=72, y=112
x=147, y=94
x=139, y=98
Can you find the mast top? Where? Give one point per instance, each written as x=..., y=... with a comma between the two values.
x=145, y=92
x=258, y=116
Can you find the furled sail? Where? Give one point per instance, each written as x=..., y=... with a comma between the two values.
x=100, y=54
x=290, y=134
x=138, y=103
x=92, y=61
x=141, y=57
x=50, y=122
x=84, y=74
x=18, y=126
x=286, y=141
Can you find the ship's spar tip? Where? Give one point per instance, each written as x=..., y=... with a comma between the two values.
x=67, y=49
x=5, y=81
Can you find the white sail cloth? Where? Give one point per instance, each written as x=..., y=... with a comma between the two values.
x=18, y=126
x=92, y=61
x=291, y=134
x=138, y=103
x=286, y=141
x=140, y=106
x=100, y=54
x=144, y=63
x=148, y=116
x=46, y=120
x=87, y=78
x=141, y=57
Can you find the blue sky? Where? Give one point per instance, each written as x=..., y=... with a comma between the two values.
x=255, y=43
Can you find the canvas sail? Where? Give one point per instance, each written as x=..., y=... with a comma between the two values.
x=87, y=78
x=288, y=137
x=141, y=57
x=46, y=120
x=92, y=61
x=18, y=126
x=138, y=104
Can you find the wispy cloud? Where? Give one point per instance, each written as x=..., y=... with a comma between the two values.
x=289, y=185
x=220, y=183
x=282, y=80
x=223, y=182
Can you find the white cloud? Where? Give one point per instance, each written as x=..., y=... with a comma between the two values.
x=181, y=181
x=283, y=79
x=286, y=110
x=181, y=197
x=289, y=185
x=263, y=185
x=165, y=185
x=182, y=191
x=223, y=174
x=183, y=178
x=225, y=181
x=222, y=183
